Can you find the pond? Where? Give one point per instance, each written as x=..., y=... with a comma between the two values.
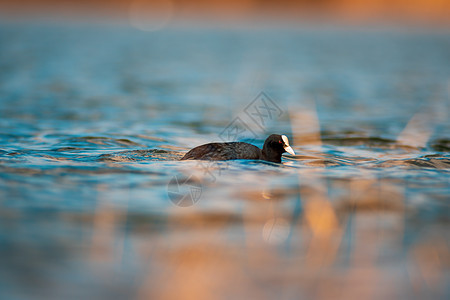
x=94, y=202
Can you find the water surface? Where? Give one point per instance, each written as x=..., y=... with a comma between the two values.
x=96, y=204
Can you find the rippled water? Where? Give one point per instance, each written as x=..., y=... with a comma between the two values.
x=95, y=204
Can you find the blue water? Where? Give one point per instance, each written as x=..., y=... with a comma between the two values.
x=94, y=202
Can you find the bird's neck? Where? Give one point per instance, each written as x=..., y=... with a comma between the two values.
x=270, y=155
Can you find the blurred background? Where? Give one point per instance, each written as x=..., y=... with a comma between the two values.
x=100, y=99
x=430, y=13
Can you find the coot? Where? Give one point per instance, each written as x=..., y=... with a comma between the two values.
x=274, y=146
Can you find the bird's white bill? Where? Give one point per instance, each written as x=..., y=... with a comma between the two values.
x=289, y=150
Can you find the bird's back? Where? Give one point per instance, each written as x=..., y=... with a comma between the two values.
x=224, y=151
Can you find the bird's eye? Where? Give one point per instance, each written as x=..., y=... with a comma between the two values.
x=279, y=142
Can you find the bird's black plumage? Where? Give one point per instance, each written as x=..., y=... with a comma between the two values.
x=274, y=146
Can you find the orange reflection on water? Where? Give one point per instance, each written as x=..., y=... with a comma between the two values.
x=106, y=232
x=305, y=125
x=321, y=220
x=429, y=260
